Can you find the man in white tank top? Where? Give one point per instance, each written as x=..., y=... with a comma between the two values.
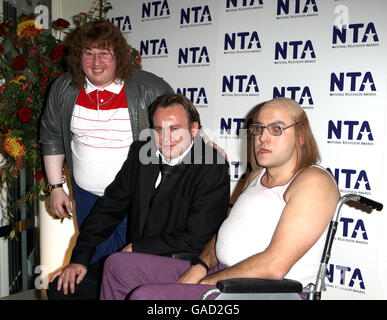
x=286, y=151
x=276, y=227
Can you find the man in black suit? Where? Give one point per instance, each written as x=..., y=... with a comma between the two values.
x=174, y=189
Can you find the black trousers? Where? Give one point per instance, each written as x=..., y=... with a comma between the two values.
x=87, y=289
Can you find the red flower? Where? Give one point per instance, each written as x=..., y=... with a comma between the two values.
x=31, y=53
x=57, y=51
x=19, y=63
x=38, y=176
x=60, y=24
x=24, y=114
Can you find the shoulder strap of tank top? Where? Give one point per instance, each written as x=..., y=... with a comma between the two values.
x=323, y=169
x=252, y=177
x=317, y=166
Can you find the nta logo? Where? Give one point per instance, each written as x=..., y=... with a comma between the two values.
x=354, y=229
x=353, y=179
x=195, y=15
x=242, y=41
x=299, y=94
x=355, y=33
x=155, y=9
x=197, y=96
x=297, y=6
x=227, y=125
x=353, y=83
x=352, y=279
x=194, y=55
x=243, y=3
x=153, y=47
x=350, y=130
x=298, y=51
x=241, y=84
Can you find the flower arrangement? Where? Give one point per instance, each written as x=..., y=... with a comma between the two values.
x=30, y=59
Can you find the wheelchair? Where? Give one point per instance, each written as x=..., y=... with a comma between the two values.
x=288, y=289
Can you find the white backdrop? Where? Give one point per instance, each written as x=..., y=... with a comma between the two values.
x=228, y=56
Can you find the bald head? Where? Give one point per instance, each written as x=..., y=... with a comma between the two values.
x=287, y=104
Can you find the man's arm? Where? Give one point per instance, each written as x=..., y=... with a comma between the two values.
x=51, y=133
x=311, y=201
x=59, y=199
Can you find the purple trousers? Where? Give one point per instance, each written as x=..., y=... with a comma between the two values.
x=142, y=276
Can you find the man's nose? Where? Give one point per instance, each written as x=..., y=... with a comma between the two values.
x=97, y=59
x=166, y=135
x=265, y=136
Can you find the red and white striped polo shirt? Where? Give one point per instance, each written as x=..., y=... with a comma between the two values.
x=101, y=135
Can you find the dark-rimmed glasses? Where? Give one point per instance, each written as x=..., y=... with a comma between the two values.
x=275, y=128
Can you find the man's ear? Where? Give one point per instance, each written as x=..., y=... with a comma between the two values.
x=194, y=129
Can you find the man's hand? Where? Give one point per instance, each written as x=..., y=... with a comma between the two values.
x=193, y=275
x=60, y=203
x=69, y=276
x=210, y=280
x=128, y=248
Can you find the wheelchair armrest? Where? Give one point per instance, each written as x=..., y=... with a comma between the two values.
x=253, y=285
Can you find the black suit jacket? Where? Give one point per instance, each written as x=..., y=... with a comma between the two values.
x=181, y=217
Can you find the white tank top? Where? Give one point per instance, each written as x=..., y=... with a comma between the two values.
x=251, y=224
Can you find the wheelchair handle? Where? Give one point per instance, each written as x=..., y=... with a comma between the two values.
x=358, y=198
x=334, y=222
x=320, y=285
x=371, y=203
